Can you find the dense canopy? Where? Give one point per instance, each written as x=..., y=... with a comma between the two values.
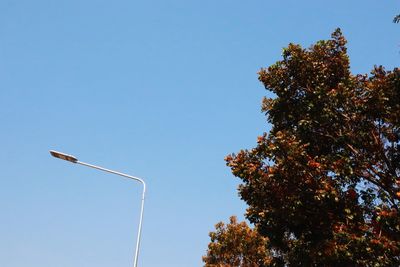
x=323, y=186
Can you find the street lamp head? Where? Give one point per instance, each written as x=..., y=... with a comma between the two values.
x=63, y=156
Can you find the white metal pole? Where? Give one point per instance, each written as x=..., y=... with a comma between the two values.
x=141, y=208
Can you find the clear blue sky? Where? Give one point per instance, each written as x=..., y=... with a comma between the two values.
x=158, y=89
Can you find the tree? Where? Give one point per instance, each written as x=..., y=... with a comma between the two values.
x=236, y=245
x=324, y=185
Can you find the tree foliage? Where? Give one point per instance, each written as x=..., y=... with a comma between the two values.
x=324, y=185
x=236, y=245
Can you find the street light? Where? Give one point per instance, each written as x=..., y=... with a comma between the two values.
x=73, y=159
